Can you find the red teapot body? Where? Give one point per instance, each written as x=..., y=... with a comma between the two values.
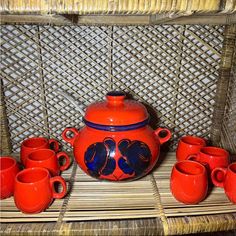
x=116, y=142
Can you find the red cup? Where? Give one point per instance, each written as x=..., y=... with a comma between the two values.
x=226, y=178
x=48, y=159
x=31, y=144
x=8, y=170
x=213, y=156
x=34, y=190
x=189, y=182
x=188, y=145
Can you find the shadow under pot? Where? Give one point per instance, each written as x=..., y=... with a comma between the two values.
x=116, y=142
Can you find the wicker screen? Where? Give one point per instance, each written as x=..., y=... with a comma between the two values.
x=171, y=69
x=228, y=130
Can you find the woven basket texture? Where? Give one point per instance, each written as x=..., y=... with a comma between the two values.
x=173, y=70
x=118, y=7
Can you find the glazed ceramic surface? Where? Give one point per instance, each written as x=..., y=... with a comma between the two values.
x=116, y=143
x=8, y=170
x=34, y=189
x=48, y=159
x=189, y=182
x=226, y=178
x=213, y=156
x=31, y=144
x=189, y=145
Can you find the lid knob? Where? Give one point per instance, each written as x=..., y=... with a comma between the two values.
x=115, y=98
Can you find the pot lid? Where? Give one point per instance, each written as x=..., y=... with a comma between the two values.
x=116, y=111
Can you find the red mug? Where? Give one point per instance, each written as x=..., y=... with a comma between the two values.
x=48, y=159
x=213, y=156
x=188, y=145
x=8, y=170
x=31, y=144
x=226, y=178
x=34, y=190
x=189, y=182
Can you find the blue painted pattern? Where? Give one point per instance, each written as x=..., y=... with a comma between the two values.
x=135, y=158
x=100, y=157
x=116, y=128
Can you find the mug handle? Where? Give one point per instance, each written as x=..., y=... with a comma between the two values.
x=215, y=179
x=163, y=139
x=70, y=140
x=62, y=182
x=67, y=160
x=193, y=157
x=55, y=144
x=206, y=165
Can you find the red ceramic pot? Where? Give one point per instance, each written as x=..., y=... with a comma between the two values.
x=116, y=143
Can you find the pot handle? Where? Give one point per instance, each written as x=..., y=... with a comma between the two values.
x=160, y=137
x=70, y=140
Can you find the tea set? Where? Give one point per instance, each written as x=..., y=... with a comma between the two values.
x=33, y=187
x=116, y=144
x=199, y=166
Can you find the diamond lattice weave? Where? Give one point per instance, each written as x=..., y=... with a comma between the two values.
x=173, y=70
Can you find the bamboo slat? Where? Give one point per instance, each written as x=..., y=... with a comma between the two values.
x=117, y=7
x=199, y=19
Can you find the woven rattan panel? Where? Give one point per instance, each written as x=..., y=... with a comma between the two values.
x=115, y=7
x=229, y=122
x=172, y=69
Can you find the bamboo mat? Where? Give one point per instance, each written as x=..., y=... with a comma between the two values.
x=89, y=199
x=216, y=201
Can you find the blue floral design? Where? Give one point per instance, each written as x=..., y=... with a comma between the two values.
x=99, y=158
x=135, y=158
